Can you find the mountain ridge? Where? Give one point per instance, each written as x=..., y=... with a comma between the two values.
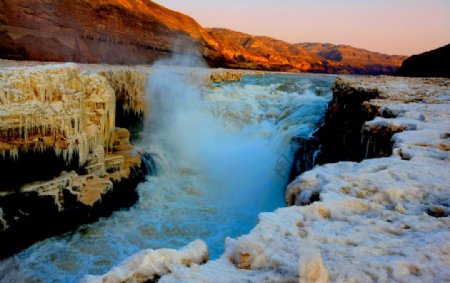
x=263, y=52
x=142, y=31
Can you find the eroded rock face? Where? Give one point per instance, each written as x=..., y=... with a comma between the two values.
x=113, y=31
x=347, y=134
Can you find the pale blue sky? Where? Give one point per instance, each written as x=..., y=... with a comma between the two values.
x=391, y=26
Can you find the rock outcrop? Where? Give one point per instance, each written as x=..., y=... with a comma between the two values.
x=346, y=134
x=385, y=219
x=429, y=64
x=264, y=53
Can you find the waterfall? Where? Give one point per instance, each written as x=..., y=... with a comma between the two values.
x=218, y=155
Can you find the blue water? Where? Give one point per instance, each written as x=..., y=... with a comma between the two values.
x=218, y=151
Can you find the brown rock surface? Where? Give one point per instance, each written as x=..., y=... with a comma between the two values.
x=113, y=31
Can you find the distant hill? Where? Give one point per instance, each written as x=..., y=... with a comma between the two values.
x=141, y=31
x=260, y=52
x=355, y=60
x=263, y=53
x=435, y=63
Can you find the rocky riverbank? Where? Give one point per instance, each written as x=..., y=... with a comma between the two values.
x=384, y=219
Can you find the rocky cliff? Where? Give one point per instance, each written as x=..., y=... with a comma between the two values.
x=385, y=219
x=141, y=31
x=113, y=31
x=429, y=64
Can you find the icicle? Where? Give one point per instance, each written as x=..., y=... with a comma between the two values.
x=14, y=153
x=57, y=106
x=367, y=147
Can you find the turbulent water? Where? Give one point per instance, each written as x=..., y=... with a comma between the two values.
x=223, y=156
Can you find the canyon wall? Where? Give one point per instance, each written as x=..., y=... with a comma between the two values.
x=113, y=31
x=141, y=31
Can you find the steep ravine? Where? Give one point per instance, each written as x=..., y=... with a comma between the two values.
x=384, y=219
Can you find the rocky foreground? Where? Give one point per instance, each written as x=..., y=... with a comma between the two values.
x=384, y=219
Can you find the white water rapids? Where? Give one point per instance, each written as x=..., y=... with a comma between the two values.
x=223, y=156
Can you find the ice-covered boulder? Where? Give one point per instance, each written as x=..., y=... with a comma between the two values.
x=149, y=265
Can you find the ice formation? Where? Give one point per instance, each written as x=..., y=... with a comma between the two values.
x=129, y=86
x=68, y=110
x=381, y=220
x=54, y=107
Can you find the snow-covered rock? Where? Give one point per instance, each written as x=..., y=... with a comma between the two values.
x=149, y=265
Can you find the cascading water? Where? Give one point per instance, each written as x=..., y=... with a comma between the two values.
x=221, y=155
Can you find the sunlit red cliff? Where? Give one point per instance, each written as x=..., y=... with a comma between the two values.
x=141, y=31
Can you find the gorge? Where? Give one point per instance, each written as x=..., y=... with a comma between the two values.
x=170, y=152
